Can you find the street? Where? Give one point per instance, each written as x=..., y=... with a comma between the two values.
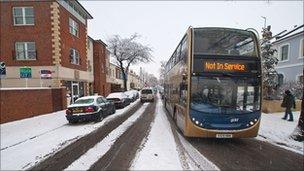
x=126, y=141
x=155, y=85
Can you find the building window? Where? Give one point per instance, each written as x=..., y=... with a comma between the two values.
x=302, y=48
x=25, y=50
x=23, y=15
x=73, y=25
x=280, y=79
x=301, y=79
x=284, y=52
x=74, y=56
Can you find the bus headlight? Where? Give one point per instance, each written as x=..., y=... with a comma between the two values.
x=193, y=119
x=251, y=123
x=196, y=122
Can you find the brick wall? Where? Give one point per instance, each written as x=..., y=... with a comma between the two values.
x=25, y=103
x=99, y=56
x=69, y=41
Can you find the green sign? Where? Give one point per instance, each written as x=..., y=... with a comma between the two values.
x=25, y=72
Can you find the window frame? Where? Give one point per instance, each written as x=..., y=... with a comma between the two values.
x=301, y=49
x=298, y=78
x=280, y=52
x=73, y=56
x=72, y=28
x=184, y=46
x=23, y=16
x=25, y=51
x=283, y=79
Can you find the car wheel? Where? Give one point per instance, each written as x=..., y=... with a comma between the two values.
x=99, y=118
x=72, y=122
x=113, y=110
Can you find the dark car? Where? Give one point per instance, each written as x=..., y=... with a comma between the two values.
x=120, y=99
x=131, y=95
x=89, y=108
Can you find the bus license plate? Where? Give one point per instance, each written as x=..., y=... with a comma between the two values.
x=223, y=135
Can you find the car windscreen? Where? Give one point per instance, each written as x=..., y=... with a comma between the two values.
x=84, y=101
x=147, y=91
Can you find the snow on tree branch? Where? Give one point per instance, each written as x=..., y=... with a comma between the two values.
x=128, y=51
x=269, y=61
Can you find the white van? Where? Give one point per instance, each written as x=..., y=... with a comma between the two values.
x=146, y=94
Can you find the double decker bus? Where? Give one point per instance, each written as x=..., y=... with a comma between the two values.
x=212, y=84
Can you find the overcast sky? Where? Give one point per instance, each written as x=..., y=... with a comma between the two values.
x=163, y=24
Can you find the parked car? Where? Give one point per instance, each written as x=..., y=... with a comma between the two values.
x=136, y=93
x=147, y=94
x=120, y=99
x=132, y=94
x=89, y=108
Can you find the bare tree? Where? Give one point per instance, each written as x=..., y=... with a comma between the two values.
x=162, y=72
x=151, y=80
x=128, y=51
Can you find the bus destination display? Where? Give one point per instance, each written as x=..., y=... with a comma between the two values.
x=224, y=66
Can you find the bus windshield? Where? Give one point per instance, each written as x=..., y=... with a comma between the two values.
x=216, y=41
x=225, y=95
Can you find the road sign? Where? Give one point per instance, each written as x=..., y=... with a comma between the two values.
x=2, y=68
x=46, y=74
x=25, y=72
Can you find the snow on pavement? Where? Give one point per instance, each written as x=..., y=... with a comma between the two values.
x=14, y=133
x=27, y=142
x=159, y=149
x=95, y=153
x=277, y=131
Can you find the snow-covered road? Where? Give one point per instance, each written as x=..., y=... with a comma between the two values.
x=159, y=147
x=27, y=142
x=91, y=156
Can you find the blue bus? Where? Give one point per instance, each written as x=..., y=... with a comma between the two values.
x=212, y=84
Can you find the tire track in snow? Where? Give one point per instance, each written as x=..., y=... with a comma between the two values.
x=100, y=149
x=189, y=156
x=123, y=152
x=65, y=157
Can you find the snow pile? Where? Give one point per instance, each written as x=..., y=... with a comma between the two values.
x=26, y=142
x=277, y=131
x=159, y=149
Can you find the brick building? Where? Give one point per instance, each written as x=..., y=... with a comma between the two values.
x=45, y=35
x=114, y=78
x=101, y=58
